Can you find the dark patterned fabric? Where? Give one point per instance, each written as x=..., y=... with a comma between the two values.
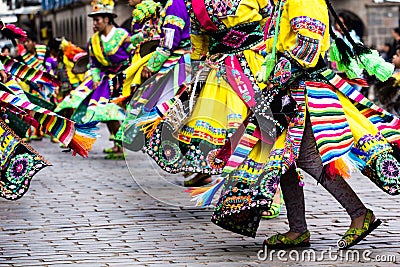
x=19, y=163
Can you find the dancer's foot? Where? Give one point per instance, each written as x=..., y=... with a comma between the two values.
x=36, y=137
x=288, y=240
x=116, y=156
x=275, y=208
x=114, y=149
x=360, y=227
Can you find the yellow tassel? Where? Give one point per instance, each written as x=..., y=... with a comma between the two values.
x=149, y=127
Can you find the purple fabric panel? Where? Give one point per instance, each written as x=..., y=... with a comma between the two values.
x=178, y=8
x=182, y=71
x=51, y=65
x=103, y=90
x=121, y=55
x=136, y=27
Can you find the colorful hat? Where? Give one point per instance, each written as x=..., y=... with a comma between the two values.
x=102, y=7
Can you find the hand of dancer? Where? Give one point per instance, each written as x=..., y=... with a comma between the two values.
x=3, y=76
x=146, y=73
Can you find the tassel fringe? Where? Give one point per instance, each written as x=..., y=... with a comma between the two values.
x=148, y=128
x=337, y=168
x=204, y=195
x=12, y=32
x=346, y=165
x=83, y=139
x=374, y=64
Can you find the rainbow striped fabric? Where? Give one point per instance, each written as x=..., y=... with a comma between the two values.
x=331, y=129
x=27, y=73
x=35, y=60
x=386, y=123
x=242, y=150
x=49, y=122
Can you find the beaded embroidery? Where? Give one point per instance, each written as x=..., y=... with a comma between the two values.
x=382, y=167
x=234, y=38
x=19, y=163
x=308, y=23
x=225, y=8
x=174, y=20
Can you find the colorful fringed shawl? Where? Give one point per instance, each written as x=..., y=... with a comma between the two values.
x=37, y=116
x=35, y=60
x=19, y=163
x=331, y=129
x=386, y=123
x=78, y=137
x=28, y=73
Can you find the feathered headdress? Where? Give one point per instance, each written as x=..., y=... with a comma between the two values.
x=12, y=32
x=69, y=49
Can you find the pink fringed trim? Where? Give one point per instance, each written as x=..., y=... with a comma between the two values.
x=17, y=32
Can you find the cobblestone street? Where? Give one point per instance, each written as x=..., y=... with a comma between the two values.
x=91, y=212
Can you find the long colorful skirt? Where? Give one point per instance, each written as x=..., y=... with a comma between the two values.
x=200, y=121
x=352, y=134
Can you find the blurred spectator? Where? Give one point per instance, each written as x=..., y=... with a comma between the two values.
x=395, y=43
x=396, y=60
x=6, y=51
x=385, y=49
x=388, y=92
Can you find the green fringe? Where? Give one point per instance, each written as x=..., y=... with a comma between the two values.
x=351, y=69
x=334, y=54
x=374, y=64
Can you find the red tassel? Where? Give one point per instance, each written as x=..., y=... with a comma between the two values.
x=81, y=145
x=337, y=168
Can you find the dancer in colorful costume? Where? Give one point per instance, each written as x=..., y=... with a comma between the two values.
x=146, y=34
x=219, y=109
x=234, y=36
x=68, y=63
x=80, y=81
x=34, y=56
x=334, y=130
x=27, y=82
x=19, y=162
x=109, y=50
x=169, y=69
x=217, y=95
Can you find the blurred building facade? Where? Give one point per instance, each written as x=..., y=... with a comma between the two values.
x=378, y=18
x=69, y=18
